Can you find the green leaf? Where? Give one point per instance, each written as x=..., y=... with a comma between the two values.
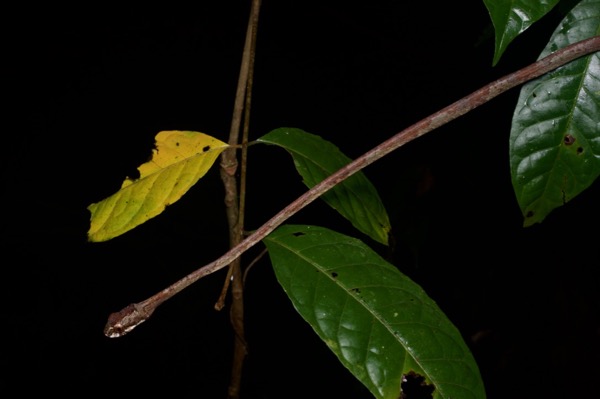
x=381, y=325
x=512, y=17
x=180, y=159
x=555, y=133
x=355, y=198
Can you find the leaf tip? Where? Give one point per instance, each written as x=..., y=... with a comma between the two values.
x=530, y=217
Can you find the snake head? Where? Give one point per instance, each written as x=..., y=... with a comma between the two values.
x=125, y=320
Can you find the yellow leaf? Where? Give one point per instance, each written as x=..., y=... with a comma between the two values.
x=180, y=159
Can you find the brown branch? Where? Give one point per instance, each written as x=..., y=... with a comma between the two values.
x=237, y=230
x=235, y=201
x=124, y=321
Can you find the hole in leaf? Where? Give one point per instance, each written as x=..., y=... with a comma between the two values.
x=569, y=139
x=334, y=274
x=579, y=150
x=533, y=95
x=414, y=387
x=529, y=214
x=298, y=234
x=177, y=144
x=206, y=148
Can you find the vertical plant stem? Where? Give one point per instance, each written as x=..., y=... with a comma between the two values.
x=234, y=201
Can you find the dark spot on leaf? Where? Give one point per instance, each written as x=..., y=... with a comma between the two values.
x=357, y=290
x=298, y=234
x=334, y=274
x=529, y=214
x=569, y=139
x=579, y=150
x=204, y=149
x=177, y=144
x=413, y=386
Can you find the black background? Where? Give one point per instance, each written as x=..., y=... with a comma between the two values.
x=89, y=88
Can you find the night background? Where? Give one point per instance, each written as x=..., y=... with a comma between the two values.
x=89, y=88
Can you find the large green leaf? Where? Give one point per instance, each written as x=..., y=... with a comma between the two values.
x=555, y=134
x=381, y=325
x=512, y=17
x=355, y=198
